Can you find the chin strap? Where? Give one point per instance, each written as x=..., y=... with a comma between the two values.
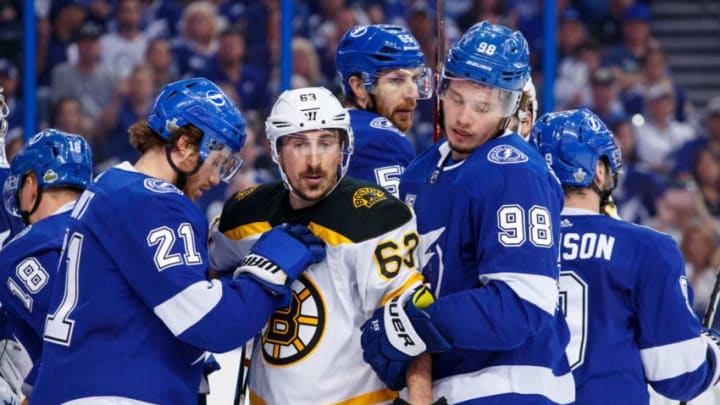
x=25, y=215
x=182, y=175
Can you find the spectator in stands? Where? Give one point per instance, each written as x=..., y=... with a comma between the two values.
x=68, y=117
x=661, y=134
x=125, y=47
x=706, y=174
x=608, y=28
x=572, y=86
x=637, y=187
x=626, y=58
x=228, y=66
x=66, y=17
x=655, y=71
x=306, y=65
x=421, y=23
x=605, y=101
x=698, y=248
x=160, y=18
x=687, y=153
x=199, y=27
x=160, y=58
x=134, y=99
x=9, y=80
x=571, y=32
x=87, y=80
x=10, y=29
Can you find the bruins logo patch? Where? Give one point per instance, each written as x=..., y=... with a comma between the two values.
x=242, y=194
x=293, y=333
x=367, y=197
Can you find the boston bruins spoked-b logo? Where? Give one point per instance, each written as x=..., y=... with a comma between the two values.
x=293, y=333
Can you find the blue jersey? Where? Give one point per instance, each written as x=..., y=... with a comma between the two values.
x=490, y=226
x=381, y=151
x=133, y=312
x=28, y=264
x=10, y=225
x=627, y=302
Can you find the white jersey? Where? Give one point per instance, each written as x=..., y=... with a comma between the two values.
x=310, y=353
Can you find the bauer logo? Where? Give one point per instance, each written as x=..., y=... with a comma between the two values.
x=506, y=154
x=160, y=186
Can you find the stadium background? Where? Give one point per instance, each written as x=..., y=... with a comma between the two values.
x=650, y=69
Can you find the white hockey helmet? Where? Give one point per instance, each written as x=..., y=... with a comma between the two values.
x=307, y=109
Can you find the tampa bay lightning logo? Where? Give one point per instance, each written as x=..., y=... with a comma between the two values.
x=215, y=98
x=358, y=31
x=384, y=123
x=506, y=154
x=160, y=186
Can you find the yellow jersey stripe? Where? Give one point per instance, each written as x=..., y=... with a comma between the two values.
x=247, y=230
x=415, y=278
x=328, y=235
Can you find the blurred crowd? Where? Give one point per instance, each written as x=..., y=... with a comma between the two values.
x=100, y=64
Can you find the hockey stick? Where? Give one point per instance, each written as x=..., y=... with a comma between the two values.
x=243, y=372
x=439, y=62
x=711, y=309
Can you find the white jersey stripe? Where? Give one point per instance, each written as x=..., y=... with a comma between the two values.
x=106, y=401
x=190, y=305
x=672, y=360
x=499, y=380
x=536, y=289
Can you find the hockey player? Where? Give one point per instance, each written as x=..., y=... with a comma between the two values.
x=45, y=179
x=383, y=74
x=9, y=224
x=488, y=210
x=309, y=352
x=626, y=297
x=134, y=311
x=527, y=112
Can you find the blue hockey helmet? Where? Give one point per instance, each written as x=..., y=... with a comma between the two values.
x=365, y=50
x=56, y=158
x=199, y=102
x=573, y=142
x=494, y=56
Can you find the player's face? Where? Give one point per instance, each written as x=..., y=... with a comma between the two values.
x=472, y=114
x=310, y=161
x=396, y=94
x=207, y=177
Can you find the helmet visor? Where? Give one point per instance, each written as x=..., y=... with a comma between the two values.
x=10, y=195
x=227, y=162
x=418, y=81
x=483, y=99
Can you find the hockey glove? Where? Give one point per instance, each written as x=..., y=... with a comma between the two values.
x=400, y=401
x=7, y=396
x=278, y=258
x=398, y=332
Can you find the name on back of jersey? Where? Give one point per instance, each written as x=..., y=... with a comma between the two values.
x=587, y=246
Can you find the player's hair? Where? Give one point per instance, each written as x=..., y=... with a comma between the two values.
x=143, y=138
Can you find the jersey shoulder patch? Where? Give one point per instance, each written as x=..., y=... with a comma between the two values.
x=385, y=124
x=160, y=186
x=506, y=154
